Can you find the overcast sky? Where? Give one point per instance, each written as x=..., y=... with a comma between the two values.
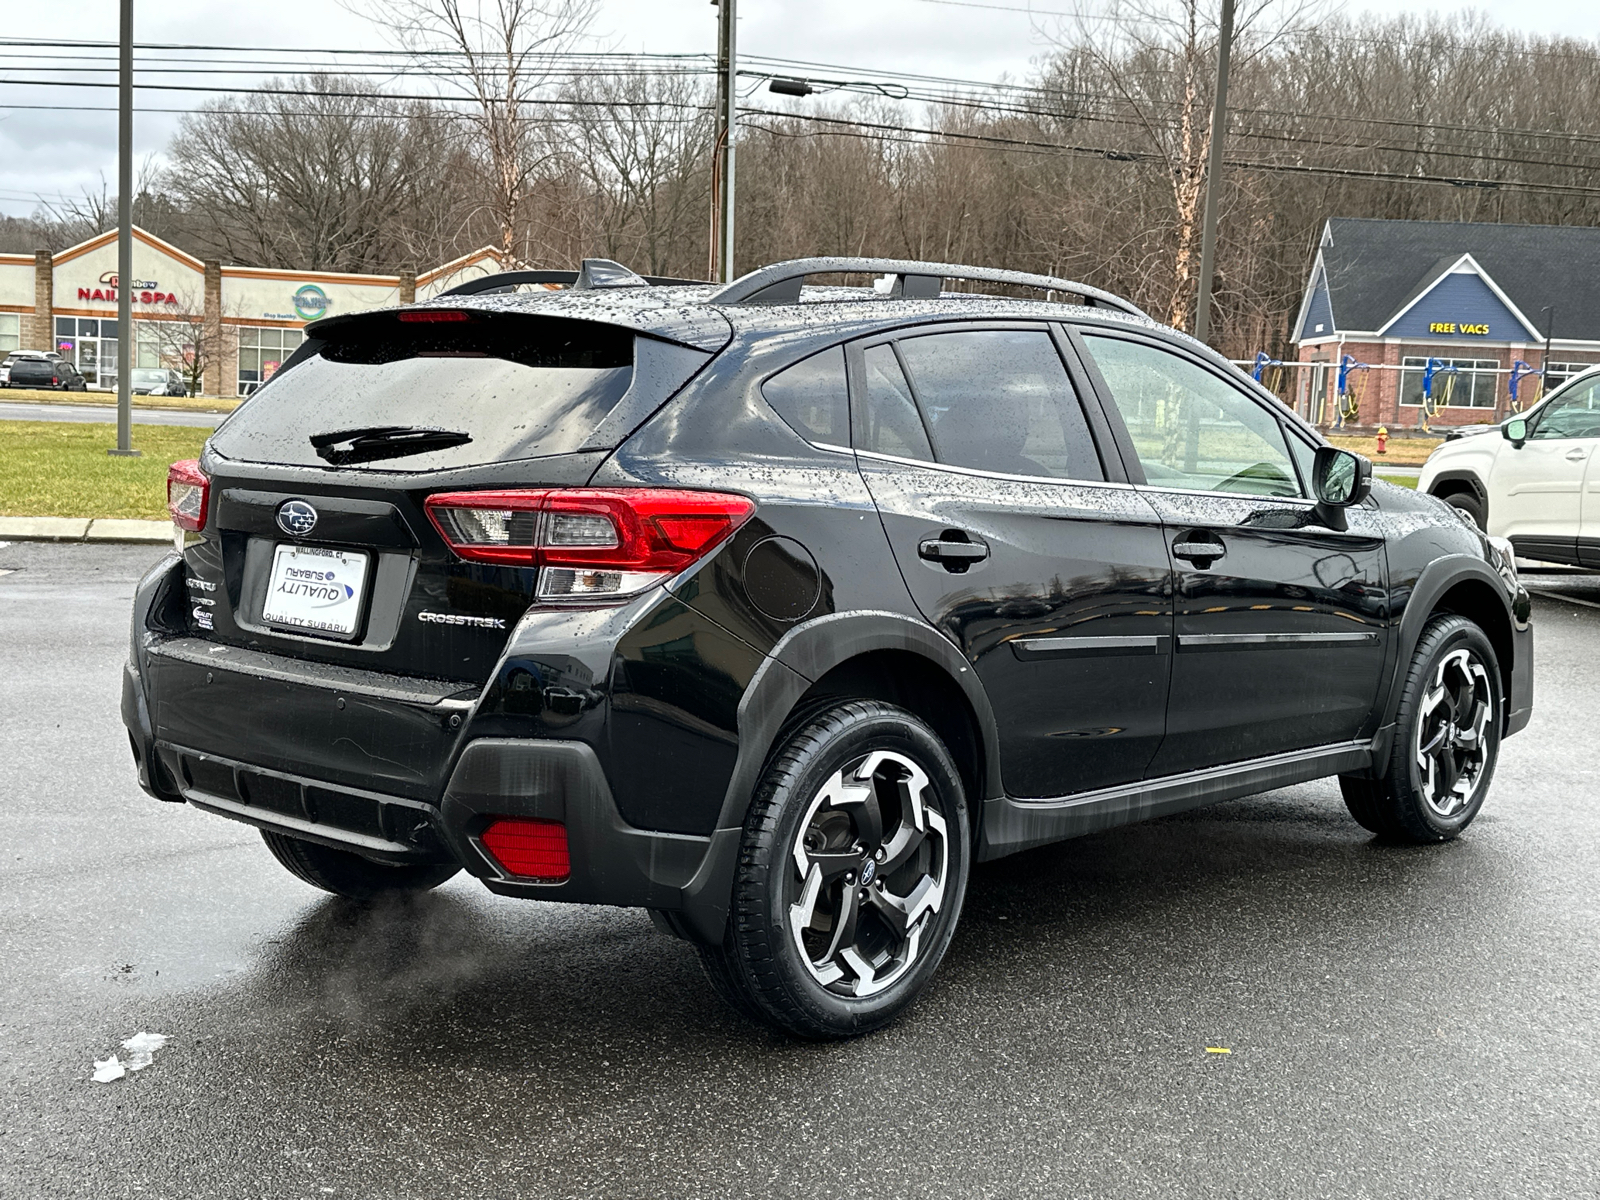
x=52, y=153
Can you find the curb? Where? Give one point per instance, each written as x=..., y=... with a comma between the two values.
x=85, y=529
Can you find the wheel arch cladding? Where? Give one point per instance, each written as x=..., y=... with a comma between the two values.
x=917, y=684
x=819, y=661
x=890, y=657
x=1467, y=587
x=1449, y=483
x=1476, y=600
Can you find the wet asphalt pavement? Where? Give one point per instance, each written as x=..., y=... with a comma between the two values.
x=1406, y=1022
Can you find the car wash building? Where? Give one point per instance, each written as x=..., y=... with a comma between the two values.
x=1406, y=321
x=237, y=323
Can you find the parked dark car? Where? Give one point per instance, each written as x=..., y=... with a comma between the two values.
x=44, y=371
x=157, y=381
x=772, y=608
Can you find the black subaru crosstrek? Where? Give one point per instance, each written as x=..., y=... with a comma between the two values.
x=772, y=607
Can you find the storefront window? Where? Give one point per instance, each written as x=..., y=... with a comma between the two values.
x=90, y=344
x=10, y=332
x=261, y=352
x=1473, y=383
x=1560, y=372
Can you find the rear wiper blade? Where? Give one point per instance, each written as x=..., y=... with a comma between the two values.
x=378, y=442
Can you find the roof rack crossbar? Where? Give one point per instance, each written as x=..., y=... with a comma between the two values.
x=510, y=281
x=780, y=283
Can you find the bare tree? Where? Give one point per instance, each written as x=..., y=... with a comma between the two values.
x=318, y=173
x=500, y=63
x=69, y=220
x=639, y=147
x=1159, y=58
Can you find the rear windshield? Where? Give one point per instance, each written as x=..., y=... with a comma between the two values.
x=493, y=388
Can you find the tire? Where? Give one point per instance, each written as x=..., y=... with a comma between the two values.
x=1446, y=740
x=348, y=874
x=1468, y=503
x=866, y=795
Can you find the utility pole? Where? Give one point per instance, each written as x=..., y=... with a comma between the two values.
x=1549, y=312
x=722, y=167
x=125, y=238
x=1219, y=131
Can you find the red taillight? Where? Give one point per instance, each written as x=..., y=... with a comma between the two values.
x=530, y=849
x=489, y=527
x=591, y=542
x=419, y=315
x=188, y=494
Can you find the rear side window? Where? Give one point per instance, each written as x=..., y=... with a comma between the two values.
x=889, y=420
x=813, y=397
x=1000, y=400
x=515, y=387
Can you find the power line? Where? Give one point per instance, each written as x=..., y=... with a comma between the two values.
x=787, y=66
x=1149, y=158
x=1382, y=42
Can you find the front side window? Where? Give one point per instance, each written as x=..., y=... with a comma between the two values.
x=1001, y=401
x=1575, y=414
x=1190, y=429
x=889, y=420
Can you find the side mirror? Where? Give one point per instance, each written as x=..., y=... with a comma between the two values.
x=1515, y=431
x=1340, y=478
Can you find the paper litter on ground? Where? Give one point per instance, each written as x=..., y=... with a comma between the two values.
x=111, y=1069
x=141, y=1048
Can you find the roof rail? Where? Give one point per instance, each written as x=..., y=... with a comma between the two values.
x=781, y=282
x=509, y=281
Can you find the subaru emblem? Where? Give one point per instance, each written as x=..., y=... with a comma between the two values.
x=296, y=518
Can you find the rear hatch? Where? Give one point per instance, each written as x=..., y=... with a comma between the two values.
x=318, y=545
x=32, y=372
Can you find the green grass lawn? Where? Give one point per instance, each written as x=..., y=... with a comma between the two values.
x=1405, y=481
x=61, y=469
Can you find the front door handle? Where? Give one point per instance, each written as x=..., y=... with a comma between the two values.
x=1577, y=454
x=954, y=554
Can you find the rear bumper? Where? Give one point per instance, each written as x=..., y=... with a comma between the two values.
x=612, y=862
x=382, y=766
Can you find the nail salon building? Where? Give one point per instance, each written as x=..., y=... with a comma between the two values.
x=1474, y=300
x=246, y=320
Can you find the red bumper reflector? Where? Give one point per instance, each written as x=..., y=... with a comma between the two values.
x=530, y=849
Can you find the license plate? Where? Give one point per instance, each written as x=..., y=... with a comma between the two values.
x=316, y=588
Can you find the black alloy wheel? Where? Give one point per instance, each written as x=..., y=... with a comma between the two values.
x=851, y=875
x=1447, y=738
x=347, y=874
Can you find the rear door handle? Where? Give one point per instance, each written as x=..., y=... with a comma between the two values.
x=951, y=553
x=1198, y=550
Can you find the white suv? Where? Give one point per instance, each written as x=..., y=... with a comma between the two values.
x=1538, y=483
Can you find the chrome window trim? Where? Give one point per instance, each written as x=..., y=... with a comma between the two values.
x=1057, y=480
x=1301, y=501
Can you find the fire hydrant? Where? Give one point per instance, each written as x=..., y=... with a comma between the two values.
x=1383, y=439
